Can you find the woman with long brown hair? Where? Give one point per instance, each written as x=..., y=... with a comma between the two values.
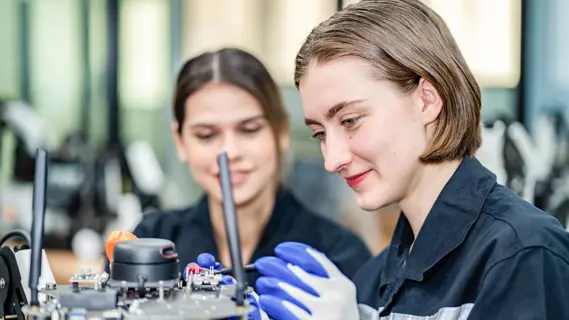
x=226, y=101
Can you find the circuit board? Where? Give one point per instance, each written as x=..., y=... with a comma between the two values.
x=90, y=298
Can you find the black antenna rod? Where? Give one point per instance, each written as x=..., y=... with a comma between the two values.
x=231, y=228
x=38, y=203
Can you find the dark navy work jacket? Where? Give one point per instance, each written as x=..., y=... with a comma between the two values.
x=191, y=231
x=482, y=253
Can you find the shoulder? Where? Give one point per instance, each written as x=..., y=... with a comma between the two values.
x=335, y=237
x=372, y=266
x=530, y=283
x=345, y=248
x=163, y=224
x=342, y=246
x=367, y=279
x=511, y=225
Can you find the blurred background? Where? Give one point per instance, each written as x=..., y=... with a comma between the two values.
x=91, y=81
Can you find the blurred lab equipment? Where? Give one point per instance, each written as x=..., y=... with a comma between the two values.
x=536, y=166
x=88, y=188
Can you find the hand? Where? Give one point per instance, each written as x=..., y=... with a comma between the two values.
x=206, y=260
x=302, y=283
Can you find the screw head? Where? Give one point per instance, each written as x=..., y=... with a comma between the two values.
x=2, y=283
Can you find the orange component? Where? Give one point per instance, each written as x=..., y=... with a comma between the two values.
x=194, y=268
x=114, y=238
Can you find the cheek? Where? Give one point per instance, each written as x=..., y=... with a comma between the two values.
x=263, y=150
x=199, y=157
x=393, y=139
x=376, y=138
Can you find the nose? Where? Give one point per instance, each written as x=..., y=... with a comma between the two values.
x=336, y=153
x=231, y=146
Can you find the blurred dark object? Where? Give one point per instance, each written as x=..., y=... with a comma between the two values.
x=553, y=193
x=31, y=132
x=537, y=167
x=504, y=158
x=85, y=183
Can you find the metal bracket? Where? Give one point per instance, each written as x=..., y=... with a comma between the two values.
x=12, y=295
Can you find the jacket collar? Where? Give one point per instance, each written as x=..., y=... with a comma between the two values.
x=453, y=214
x=281, y=219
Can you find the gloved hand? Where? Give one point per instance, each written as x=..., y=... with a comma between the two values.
x=206, y=260
x=302, y=283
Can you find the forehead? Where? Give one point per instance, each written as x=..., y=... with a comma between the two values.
x=342, y=79
x=218, y=103
x=335, y=78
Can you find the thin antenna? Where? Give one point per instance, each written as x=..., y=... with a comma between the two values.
x=40, y=185
x=231, y=227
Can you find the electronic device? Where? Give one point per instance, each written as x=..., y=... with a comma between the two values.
x=144, y=280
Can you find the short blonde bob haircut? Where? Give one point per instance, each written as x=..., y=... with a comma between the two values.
x=404, y=41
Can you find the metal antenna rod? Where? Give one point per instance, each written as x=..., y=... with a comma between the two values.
x=38, y=205
x=231, y=227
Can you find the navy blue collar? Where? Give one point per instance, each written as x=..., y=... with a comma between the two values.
x=282, y=218
x=453, y=214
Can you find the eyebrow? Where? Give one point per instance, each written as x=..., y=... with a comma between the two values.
x=201, y=124
x=333, y=111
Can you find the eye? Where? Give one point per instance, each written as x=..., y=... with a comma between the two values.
x=205, y=136
x=251, y=130
x=319, y=135
x=351, y=122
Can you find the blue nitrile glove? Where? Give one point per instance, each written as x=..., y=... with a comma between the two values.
x=206, y=260
x=302, y=283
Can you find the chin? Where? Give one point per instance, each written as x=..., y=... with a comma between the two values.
x=241, y=198
x=369, y=201
x=243, y=195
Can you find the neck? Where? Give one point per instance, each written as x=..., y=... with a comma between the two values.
x=424, y=192
x=252, y=218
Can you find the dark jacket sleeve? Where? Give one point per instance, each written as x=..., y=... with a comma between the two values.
x=144, y=228
x=532, y=284
x=349, y=254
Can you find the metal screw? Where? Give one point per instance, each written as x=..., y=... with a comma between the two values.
x=2, y=283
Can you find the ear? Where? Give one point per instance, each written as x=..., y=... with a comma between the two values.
x=431, y=103
x=179, y=143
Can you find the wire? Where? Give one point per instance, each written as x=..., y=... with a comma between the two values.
x=17, y=233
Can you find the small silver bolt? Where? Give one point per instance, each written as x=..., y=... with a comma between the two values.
x=2, y=283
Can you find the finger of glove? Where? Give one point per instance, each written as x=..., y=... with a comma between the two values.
x=253, y=298
x=302, y=255
x=206, y=260
x=227, y=280
x=264, y=315
x=312, y=281
x=254, y=301
x=277, y=309
x=277, y=268
x=256, y=314
x=277, y=288
x=308, y=258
